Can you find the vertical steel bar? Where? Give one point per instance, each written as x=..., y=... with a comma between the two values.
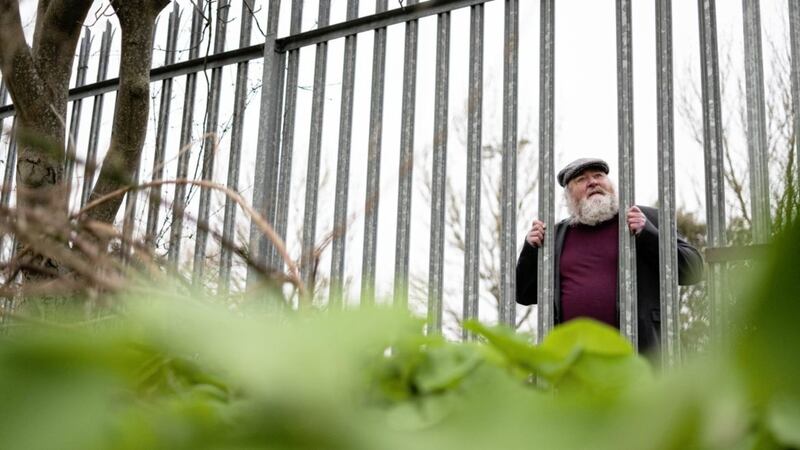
x=712, y=143
x=237, y=128
x=756, y=122
x=406, y=170
x=9, y=166
x=75, y=117
x=343, y=163
x=287, y=141
x=373, y=163
x=474, y=128
x=439, y=175
x=6, y=186
x=266, y=173
x=90, y=164
x=308, y=261
x=546, y=257
x=187, y=121
x=628, y=318
x=3, y=99
x=8, y=177
x=794, y=40
x=667, y=223
x=508, y=192
x=210, y=143
x=129, y=218
x=274, y=260
x=154, y=204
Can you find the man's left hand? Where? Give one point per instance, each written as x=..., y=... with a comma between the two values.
x=636, y=220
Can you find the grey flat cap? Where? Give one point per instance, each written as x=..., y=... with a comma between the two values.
x=575, y=168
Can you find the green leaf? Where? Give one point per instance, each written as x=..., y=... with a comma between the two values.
x=783, y=420
x=587, y=335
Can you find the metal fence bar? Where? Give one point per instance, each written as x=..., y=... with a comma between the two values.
x=712, y=143
x=439, y=175
x=372, y=200
x=794, y=33
x=90, y=164
x=508, y=192
x=154, y=204
x=129, y=217
x=308, y=261
x=8, y=165
x=412, y=10
x=546, y=255
x=75, y=117
x=667, y=223
x=756, y=122
x=187, y=119
x=322, y=34
x=8, y=177
x=210, y=143
x=6, y=304
x=3, y=99
x=287, y=141
x=628, y=318
x=474, y=125
x=266, y=157
x=406, y=168
x=237, y=128
x=343, y=163
x=273, y=258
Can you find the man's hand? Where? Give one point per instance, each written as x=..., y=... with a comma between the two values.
x=636, y=220
x=536, y=234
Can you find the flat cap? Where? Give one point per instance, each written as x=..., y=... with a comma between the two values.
x=575, y=168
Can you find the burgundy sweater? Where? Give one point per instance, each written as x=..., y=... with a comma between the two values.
x=588, y=266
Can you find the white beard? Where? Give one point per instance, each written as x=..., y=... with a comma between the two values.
x=592, y=210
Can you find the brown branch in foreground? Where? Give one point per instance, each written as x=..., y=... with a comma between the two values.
x=258, y=220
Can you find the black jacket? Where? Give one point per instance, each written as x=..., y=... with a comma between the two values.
x=690, y=271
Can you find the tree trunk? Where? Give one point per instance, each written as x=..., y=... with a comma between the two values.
x=137, y=20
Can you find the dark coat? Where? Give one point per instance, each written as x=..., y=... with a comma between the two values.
x=690, y=271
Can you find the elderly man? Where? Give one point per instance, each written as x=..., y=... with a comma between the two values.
x=587, y=253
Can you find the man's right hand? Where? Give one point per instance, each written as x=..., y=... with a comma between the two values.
x=536, y=234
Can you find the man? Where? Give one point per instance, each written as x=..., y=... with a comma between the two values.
x=587, y=253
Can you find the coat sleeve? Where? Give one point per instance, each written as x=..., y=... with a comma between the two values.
x=527, y=274
x=690, y=261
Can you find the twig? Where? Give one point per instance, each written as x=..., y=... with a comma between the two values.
x=257, y=219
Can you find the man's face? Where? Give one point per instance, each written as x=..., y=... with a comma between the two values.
x=590, y=183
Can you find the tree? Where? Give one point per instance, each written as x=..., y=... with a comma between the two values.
x=38, y=79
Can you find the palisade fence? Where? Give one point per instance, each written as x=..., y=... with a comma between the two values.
x=272, y=163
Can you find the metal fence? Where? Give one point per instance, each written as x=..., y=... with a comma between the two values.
x=276, y=140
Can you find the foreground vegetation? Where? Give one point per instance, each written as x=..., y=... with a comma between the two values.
x=175, y=371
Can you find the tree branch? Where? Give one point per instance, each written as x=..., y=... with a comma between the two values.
x=16, y=61
x=58, y=28
x=137, y=21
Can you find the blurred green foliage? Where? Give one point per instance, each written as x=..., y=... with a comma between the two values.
x=188, y=373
